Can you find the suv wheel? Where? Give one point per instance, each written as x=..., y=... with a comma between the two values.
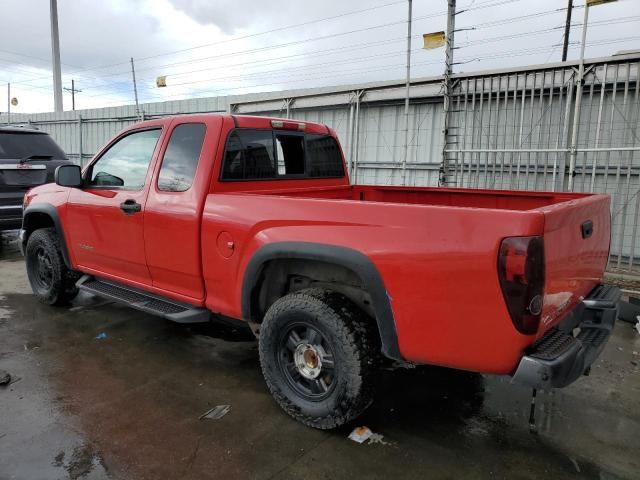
x=318, y=354
x=51, y=281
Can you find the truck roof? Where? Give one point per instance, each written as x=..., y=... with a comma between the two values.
x=245, y=121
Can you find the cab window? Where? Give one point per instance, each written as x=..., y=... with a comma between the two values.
x=272, y=155
x=126, y=162
x=181, y=157
x=249, y=155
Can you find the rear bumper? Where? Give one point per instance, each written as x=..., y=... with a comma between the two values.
x=560, y=357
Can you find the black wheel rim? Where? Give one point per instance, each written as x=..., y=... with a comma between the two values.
x=306, y=360
x=43, y=269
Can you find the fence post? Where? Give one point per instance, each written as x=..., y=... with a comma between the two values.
x=349, y=144
x=355, y=145
x=559, y=168
x=80, y=140
x=288, y=102
x=443, y=179
x=407, y=98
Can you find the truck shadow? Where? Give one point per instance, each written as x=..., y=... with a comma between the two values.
x=425, y=394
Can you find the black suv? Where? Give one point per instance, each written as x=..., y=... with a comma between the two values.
x=28, y=157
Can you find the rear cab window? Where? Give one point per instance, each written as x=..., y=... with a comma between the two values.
x=254, y=154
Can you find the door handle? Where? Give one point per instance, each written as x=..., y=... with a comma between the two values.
x=130, y=207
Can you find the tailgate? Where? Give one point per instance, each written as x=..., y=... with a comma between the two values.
x=576, y=243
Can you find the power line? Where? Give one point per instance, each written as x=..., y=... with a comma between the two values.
x=287, y=71
x=549, y=30
x=486, y=4
x=519, y=18
x=279, y=60
x=284, y=59
x=269, y=47
x=341, y=73
x=141, y=59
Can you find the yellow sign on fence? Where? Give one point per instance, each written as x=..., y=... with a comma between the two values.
x=593, y=3
x=434, y=40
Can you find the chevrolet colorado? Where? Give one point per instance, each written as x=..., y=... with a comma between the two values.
x=254, y=219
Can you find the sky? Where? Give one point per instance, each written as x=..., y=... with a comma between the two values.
x=212, y=48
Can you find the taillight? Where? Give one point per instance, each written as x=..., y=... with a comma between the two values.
x=521, y=274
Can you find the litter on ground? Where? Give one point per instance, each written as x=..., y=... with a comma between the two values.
x=216, y=412
x=360, y=434
x=377, y=438
x=5, y=377
x=364, y=434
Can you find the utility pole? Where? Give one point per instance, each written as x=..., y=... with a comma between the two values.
x=135, y=87
x=573, y=154
x=55, y=56
x=567, y=30
x=448, y=70
x=406, y=97
x=8, y=103
x=73, y=91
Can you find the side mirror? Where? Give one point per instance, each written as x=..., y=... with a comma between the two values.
x=68, y=176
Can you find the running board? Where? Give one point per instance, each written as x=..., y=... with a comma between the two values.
x=144, y=301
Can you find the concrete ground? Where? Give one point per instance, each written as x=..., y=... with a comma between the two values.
x=127, y=407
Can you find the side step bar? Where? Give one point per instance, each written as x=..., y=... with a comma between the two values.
x=144, y=301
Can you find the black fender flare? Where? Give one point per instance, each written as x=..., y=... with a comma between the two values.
x=50, y=211
x=347, y=257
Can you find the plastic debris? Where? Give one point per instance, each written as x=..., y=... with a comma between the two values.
x=364, y=434
x=5, y=377
x=377, y=438
x=360, y=434
x=216, y=413
x=101, y=336
x=638, y=324
x=575, y=464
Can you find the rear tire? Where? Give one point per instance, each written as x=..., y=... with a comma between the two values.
x=319, y=354
x=51, y=281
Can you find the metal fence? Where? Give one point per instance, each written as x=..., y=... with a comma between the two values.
x=510, y=129
x=519, y=131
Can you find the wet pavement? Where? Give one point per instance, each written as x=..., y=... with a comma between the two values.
x=126, y=405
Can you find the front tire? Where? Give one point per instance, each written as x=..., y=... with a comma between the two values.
x=318, y=354
x=51, y=281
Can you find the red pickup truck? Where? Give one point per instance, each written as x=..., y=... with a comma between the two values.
x=254, y=219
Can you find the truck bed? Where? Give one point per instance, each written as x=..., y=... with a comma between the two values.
x=437, y=245
x=468, y=198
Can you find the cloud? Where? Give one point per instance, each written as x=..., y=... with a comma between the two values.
x=209, y=48
x=232, y=16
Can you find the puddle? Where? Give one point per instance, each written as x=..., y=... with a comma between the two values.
x=83, y=463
